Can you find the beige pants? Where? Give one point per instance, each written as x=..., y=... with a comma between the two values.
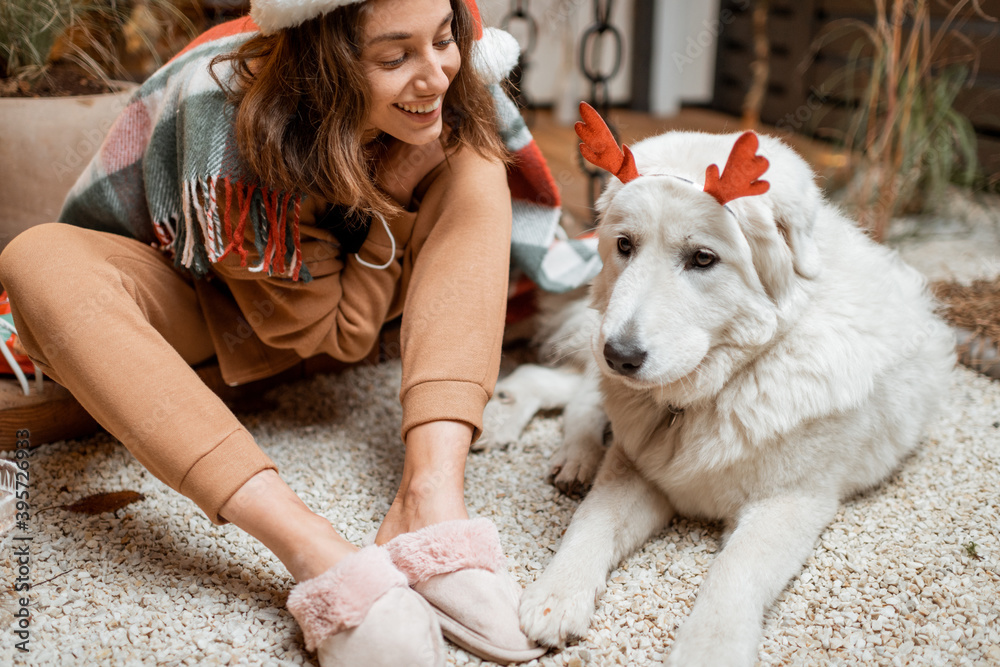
x=111, y=319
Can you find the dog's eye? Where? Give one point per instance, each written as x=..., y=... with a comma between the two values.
x=625, y=245
x=702, y=259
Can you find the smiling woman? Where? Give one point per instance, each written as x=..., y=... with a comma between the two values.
x=241, y=184
x=340, y=81
x=411, y=59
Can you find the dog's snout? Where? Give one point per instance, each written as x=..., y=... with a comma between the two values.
x=624, y=356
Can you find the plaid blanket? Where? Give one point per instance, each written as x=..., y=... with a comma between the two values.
x=160, y=171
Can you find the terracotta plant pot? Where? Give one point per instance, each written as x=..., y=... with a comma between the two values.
x=45, y=143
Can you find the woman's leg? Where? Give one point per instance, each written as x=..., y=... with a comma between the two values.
x=433, y=486
x=455, y=277
x=112, y=321
x=303, y=541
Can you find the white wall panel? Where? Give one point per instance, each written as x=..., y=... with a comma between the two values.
x=682, y=68
x=554, y=76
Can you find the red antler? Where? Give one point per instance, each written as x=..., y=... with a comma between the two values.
x=743, y=168
x=600, y=148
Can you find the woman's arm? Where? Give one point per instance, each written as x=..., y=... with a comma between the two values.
x=453, y=321
x=341, y=311
x=456, y=294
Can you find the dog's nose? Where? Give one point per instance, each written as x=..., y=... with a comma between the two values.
x=624, y=357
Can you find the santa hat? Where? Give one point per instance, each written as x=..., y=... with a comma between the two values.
x=494, y=54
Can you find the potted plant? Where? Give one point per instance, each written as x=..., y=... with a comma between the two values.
x=905, y=140
x=907, y=143
x=67, y=69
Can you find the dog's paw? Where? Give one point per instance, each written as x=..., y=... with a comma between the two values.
x=504, y=419
x=683, y=654
x=573, y=467
x=721, y=641
x=554, y=614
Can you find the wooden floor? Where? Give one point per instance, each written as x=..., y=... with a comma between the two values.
x=559, y=145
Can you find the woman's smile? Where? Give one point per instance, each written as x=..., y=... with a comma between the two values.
x=426, y=110
x=410, y=56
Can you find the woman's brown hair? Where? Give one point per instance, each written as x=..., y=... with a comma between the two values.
x=302, y=103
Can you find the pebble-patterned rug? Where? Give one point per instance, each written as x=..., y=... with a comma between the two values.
x=907, y=574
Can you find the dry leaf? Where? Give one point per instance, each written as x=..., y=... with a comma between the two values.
x=104, y=502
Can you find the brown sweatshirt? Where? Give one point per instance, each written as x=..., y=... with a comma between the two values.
x=448, y=278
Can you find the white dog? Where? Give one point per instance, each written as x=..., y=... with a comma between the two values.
x=759, y=359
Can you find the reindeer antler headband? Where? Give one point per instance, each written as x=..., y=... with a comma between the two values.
x=740, y=178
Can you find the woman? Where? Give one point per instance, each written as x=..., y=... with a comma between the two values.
x=310, y=181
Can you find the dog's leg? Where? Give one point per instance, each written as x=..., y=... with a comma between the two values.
x=575, y=463
x=771, y=541
x=519, y=396
x=620, y=513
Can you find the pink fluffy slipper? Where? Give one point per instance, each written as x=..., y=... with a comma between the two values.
x=361, y=612
x=459, y=568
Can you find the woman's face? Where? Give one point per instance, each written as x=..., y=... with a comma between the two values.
x=410, y=57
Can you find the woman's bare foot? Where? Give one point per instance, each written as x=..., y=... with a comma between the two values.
x=303, y=541
x=433, y=486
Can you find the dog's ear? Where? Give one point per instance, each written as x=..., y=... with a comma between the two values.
x=795, y=209
x=779, y=224
x=604, y=200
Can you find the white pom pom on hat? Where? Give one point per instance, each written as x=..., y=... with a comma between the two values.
x=274, y=15
x=494, y=54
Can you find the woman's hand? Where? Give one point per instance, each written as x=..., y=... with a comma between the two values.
x=403, y=167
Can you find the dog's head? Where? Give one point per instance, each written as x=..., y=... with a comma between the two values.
x=689, y=287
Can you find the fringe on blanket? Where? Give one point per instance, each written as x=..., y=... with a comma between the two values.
x=201, y=235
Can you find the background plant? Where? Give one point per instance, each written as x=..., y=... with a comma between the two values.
x=106, y=39
x=904, y=139
x=127, y=39
x=28, y=29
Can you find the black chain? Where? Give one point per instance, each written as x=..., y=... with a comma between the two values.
x=592, y=47
x=519, y=13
